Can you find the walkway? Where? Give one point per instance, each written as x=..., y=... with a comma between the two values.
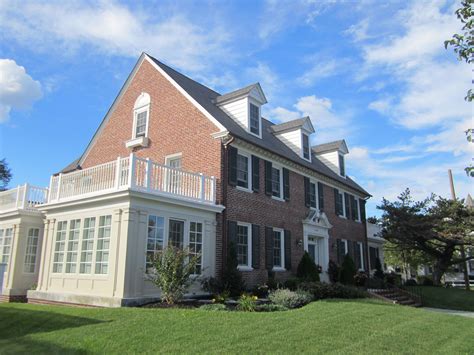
x=451, y=312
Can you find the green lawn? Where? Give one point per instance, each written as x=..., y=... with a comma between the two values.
x=346, y=326
x=448, y=298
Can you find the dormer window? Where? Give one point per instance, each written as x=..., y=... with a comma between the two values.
x=254, y=118
x=306, y=152
x=342, y=168
x=141, y=118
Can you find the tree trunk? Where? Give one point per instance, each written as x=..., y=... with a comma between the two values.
x=439, y=269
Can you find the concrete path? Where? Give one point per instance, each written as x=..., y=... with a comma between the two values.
x=451, y=312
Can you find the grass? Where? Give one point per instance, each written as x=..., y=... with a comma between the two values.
x=349, y=326
x=447, y=298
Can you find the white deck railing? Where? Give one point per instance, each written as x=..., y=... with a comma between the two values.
x=135, y=174
x=25, y=197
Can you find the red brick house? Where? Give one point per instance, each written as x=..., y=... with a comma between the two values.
x=176, y=162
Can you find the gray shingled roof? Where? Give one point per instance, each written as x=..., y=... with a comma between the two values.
x=235, y=94
x=207, y=97
x=327, y=147
x=290, y=125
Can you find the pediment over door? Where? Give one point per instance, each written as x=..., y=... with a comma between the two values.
x=317, y=218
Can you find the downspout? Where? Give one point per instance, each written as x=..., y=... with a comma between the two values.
x=224, y=182
x=366, y=259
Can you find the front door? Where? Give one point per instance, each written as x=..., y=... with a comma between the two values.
x=313, y=249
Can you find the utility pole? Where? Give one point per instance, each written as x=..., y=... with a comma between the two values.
x=463, y=252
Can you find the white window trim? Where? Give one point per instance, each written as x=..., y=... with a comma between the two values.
x=249, y=168
x=339, y=164
x=346, y=247
x=136, y=111
x=253, y=102
x=282, y=251
x=172, y=156
x=361, y=249
x=357, y=202
x=316, y=193
x=302, y=147
x=279, y=167
x=341, y=192
x=247, y=267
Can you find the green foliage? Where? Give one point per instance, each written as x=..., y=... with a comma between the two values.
x=222, y=297
x=360, y=278
x=373, y=220
x=322, y=290
x=292, y=284
x=214, y=307
x=247, y=303
x=425, y=280
x=172, y=268
x=435, y=228
x=379, y=274
x=307, y=269
x=232, y=278
x=261, y=291
x=290, y=299
x=270, y=307
x=5, y=174
x=334, y=271
x=348, y=270
x=212, y=285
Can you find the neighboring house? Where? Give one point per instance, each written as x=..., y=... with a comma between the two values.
x=174, y=162
x=376, y=243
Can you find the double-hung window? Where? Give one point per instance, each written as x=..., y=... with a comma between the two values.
x=312, y=195
x=73, y=245
x=277, y=183
x=103, y=245
x=243, y=245
x=243, y=170
x=306, y=151
x=342, y=168
x=155, y=239
x=87, y=246
x=141, y=123
x=59, y=247
x=254, y=119
x=278, y=249
x=195, y=244
x=31, y=250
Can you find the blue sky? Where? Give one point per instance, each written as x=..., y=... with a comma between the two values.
x=375, y=73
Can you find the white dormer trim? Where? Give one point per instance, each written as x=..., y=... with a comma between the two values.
x=307, y=134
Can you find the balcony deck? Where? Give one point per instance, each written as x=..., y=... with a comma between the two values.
x=24, y=197
x=136, y=174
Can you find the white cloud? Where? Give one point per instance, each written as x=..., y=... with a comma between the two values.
x=113, y=29
x=281, y=114
x=268, y=79
x=18, y=90
x=359, y=31
x=320, y=70
x=382, y=106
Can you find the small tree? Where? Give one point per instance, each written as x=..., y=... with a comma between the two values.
x=232, y=279
x=5, y=175
x=172, y=270
x=379, y=274
x=334, y=271
x=307, y=269
x=348, y=270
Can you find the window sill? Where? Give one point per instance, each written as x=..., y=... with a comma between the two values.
x=278, y=198
x=137, y=142
x=278, y=269
x=245, y=189
x=344, y=217
x=244, y=268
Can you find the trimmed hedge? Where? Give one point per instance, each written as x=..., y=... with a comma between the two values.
x=321, y=290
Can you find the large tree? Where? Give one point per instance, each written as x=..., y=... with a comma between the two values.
x=434, y=227
x=5, y=175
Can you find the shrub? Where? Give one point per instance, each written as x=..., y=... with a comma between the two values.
x=425, y=280
x=411, y=282
x=261, y=291
x=333, y=270
x=374, y=282
x=232, y=278
x=222, y=297
x=290, y=299
x=214, y=307
x=393, y=279
x=212, y=285
x=360, y=279
x=291, y=284
x=348, y=270
x=172, y=268
x=324, y=290
x=272, y=283
x=247, y=303
x=270, y=307
x=307, y=269
x=379, y=274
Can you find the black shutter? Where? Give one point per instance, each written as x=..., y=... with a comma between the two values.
x=255, y=246
x=321, y=196
x=336, y=201
x=286, y=184
x=268, y=178
x=357, y=256
x=339, y=251
x=307, y=201
x=232, y=232
x=269, y=248
x=287, y=250
x=353, y=207
x=350, y=250
x=255, y=173
x=232, y=166
x=347, y=206
x=362, y=209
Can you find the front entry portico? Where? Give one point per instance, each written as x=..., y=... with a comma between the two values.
x=316, y=240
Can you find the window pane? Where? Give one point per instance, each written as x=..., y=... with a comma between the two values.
x=103, y=244
x=176, y=233
x=141, y=124
x=59, y=247
x=312, y=195
x=277, y=249
x=242, y=245
x=276, y=182
x=156, y=226
x=305, y=146
x=31, y=250
x=242, y=171
x=342, y=168
x=72, y=245
x=195, y=244
x=254, y=119
x=87, y=246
